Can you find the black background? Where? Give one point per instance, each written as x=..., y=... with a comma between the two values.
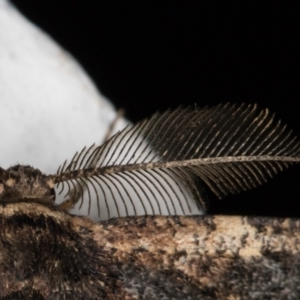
x=152, y=55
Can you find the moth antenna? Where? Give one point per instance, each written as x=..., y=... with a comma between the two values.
x=59, y=171
x=130, y=198
x=172, y=156
x=105, y=197
x=72, y=162
x=69, y=203
x=85, y=154
x=112, y=195
x=178, y=196
x=82, y=152
x=165, y=190
x=120, y=195
x=127, y=194
x=139, y=173
x=156, y=188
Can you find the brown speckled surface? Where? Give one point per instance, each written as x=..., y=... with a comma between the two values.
x=48, y=254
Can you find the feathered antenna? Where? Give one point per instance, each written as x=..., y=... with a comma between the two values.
x=228, y=147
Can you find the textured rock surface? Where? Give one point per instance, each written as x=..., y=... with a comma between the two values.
x=196, y=257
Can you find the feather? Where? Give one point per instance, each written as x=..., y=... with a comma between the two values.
x=230, y=148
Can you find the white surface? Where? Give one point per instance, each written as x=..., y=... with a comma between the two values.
x=49, y=108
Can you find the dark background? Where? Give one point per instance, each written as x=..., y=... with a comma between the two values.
x=152, y=55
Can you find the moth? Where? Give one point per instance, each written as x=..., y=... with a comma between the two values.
x=47, y=253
